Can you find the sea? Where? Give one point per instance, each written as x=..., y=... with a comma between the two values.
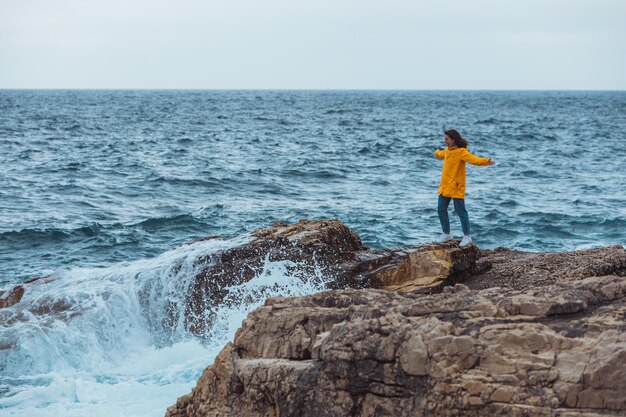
x=104, y=193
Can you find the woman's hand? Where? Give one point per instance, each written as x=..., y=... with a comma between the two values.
x=491, y=162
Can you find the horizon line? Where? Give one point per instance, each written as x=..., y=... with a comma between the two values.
x=307, y=89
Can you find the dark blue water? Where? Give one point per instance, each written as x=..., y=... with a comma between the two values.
x=93, y=178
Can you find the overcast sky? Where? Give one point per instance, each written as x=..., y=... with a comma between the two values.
x=316, y=44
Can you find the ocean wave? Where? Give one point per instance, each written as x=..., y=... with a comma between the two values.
x=181, y=220
x=280, y=121
x=338, y=111
x=207, y=182
x=38, y=237
x=488, y=121
x=96, y=340
x=617, y=223
x=509, y=204
x=309, y=173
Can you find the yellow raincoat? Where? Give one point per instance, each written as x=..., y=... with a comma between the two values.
x=453, y=176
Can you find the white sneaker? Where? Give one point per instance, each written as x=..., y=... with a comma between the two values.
x=466, y=241
x=444, y=237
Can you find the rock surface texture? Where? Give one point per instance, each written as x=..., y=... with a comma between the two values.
x=526, y=335
x=523, y=270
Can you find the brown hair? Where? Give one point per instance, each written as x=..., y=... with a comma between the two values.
x=456, y=137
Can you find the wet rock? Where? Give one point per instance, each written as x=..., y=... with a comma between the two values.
x=11, y=297
x=329, y=248
x=15, y=294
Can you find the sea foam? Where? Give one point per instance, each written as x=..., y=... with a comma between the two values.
x=92, y=342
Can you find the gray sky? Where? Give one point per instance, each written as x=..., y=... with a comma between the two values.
x=316, y=44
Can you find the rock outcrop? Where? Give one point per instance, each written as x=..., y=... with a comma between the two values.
x=526, y=335
x=558, y=350
x=331, y=248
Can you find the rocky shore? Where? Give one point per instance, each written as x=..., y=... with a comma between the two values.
x=428, y=330
x=432, y=330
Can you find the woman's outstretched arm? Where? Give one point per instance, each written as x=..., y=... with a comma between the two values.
x=475, y=160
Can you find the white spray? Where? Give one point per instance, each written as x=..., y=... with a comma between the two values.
x=93, y=342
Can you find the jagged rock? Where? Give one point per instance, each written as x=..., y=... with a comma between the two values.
x=559, y=350
x=327, y=246
x=333, y=249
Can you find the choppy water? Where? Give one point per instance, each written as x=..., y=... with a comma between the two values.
x=100, y=189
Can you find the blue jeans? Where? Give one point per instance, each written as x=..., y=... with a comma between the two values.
x=459, y=208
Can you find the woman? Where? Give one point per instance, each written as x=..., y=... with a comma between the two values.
x=452, y=185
